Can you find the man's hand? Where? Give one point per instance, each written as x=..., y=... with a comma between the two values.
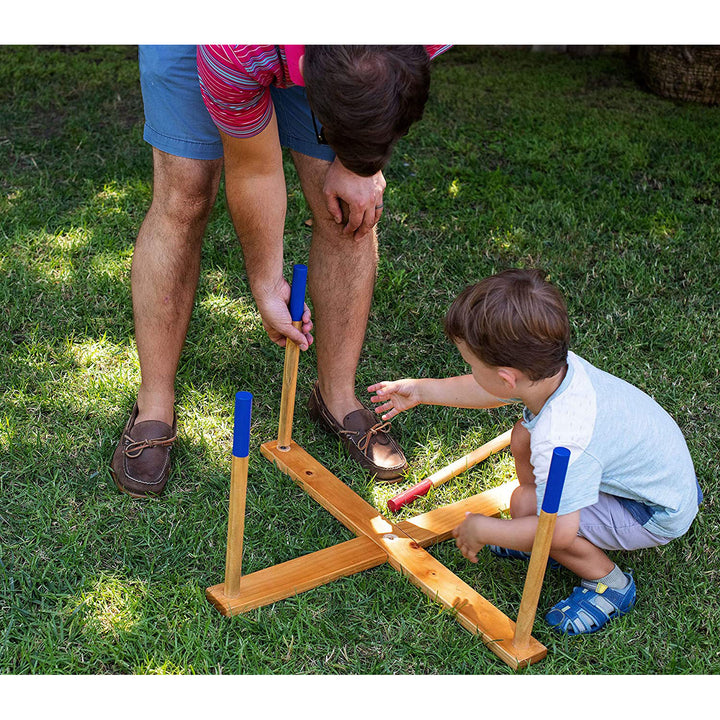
x=273, y=308
x=363, y=195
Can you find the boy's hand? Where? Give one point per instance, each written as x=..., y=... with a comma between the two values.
x=467, y=536
x=395, y=396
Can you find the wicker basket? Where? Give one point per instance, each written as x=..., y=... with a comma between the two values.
x=682, y=72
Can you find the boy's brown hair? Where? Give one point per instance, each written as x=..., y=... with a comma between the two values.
x=513, y=319
x=366, y=97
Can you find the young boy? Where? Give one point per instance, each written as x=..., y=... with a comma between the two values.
x=630, y=482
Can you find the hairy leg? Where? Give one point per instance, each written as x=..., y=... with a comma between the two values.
x=165, y=269
x=341, y=279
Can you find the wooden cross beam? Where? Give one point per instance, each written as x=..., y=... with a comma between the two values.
x=378, y=540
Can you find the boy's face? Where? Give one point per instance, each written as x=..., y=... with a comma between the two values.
x=486, y=376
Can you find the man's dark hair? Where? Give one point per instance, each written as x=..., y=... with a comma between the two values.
x=366, y=97
x=513, y=319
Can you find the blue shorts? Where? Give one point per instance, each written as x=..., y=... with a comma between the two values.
x=177, y=121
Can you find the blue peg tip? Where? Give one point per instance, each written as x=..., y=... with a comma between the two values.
x=241, y=433
x=556, y=480
x=297, y=292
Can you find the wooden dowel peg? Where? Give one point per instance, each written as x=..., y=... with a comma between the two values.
x=541, y=547
x=292, y=352
x=449, y=471
x=238, y=493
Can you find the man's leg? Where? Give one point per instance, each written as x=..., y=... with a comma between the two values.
x=165, y=270
x=341, y=279
x=164, y=277
x=187, y=162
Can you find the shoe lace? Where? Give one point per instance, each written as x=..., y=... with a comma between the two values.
x=134, y=448
x=374, y=430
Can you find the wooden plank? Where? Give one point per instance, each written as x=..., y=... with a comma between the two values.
x=281, y=581
x=327, y=490
x=406, y=555
x=473, y=611
x=437, y=525
x=361, y=517
x=298, y=575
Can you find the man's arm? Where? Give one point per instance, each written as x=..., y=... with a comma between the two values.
x=257, y=199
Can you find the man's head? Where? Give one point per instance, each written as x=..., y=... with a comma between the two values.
x=366, y=97
x=513, y=319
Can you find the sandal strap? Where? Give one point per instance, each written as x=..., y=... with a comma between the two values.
x=508, y=553
x=586, y=611
x=583, y=603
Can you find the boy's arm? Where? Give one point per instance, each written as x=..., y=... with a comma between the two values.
x=516, y=534
x=394, y=397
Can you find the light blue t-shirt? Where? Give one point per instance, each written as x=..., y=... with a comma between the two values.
x=621, y=443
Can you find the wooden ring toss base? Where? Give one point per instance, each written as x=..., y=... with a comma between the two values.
x=378, y=540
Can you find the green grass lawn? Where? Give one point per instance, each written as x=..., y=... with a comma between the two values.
x=521, y=160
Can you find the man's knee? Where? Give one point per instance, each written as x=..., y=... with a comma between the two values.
x=185, y=189
x=332, y=234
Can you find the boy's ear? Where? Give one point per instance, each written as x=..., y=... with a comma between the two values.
x=509, y=376
x=301, y=64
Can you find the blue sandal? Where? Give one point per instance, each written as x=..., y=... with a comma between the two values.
x=586, y=611
x=510, y=554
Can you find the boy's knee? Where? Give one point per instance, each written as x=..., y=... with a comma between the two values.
x=562, y=540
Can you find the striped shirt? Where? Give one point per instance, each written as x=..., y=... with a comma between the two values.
x=235, y=82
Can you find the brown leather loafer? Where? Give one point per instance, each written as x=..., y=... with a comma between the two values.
x=366, y=439
x=141, y=462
